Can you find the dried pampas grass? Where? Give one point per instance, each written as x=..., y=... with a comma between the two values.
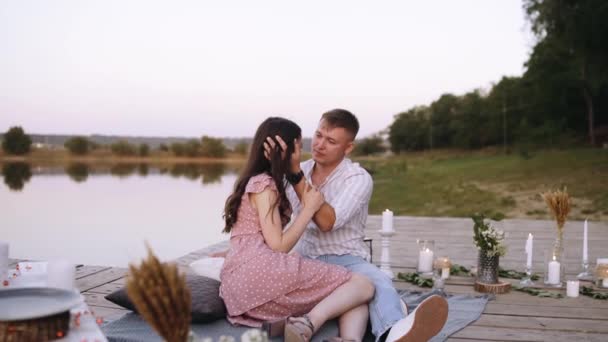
x=558, y=202
x=161, y=297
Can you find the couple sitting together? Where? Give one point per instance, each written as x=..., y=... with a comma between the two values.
x=326, y=200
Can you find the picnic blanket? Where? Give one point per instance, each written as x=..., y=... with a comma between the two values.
x=463, y=310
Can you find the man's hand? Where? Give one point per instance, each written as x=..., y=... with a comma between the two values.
x=270, y=144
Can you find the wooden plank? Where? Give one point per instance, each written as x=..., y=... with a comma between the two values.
x=121, y=281
x=524, y=299
x=85, y=271
x=509, y=334
x=100, y=278
x=106, y=289
x=546, y=311
x=542, y=323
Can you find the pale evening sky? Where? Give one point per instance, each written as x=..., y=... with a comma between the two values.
x=192, y=68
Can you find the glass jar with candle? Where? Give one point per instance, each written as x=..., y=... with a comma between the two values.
x=601, y=274
x=426, y=255
x=441, y=272
x=555, y=269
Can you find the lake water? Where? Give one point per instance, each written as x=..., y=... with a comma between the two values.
x=103, y=214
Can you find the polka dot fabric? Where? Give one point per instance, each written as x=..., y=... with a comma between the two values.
x=259, y=284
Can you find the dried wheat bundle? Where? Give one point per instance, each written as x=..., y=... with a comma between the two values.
x=161, y=297
x=558, y=202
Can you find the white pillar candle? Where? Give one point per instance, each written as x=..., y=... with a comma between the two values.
x=61, y=274
x=572, y=288
x=605, y=282
x=529, y=244
x=554, y=270
x=445, y=272
x=425, y=261
x=585, y=251
x=387, y=221
x=3, y=258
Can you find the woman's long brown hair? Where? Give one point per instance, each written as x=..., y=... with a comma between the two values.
x=275, y=166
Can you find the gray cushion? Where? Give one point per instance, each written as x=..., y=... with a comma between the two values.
x=207, y=306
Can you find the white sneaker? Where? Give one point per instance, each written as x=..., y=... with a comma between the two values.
x=404, y=307
x=423, y=323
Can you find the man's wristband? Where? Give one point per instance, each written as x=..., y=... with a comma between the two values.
x=294, y=178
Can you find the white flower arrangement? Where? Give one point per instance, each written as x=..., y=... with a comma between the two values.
x=487, y=237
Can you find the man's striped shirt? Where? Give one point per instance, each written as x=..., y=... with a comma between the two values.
x=348, y=190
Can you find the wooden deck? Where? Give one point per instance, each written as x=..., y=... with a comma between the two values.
x=514, y=316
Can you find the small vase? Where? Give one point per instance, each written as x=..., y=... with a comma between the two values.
x=487, y=268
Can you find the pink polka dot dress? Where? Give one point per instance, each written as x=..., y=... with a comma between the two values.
x=259, y=284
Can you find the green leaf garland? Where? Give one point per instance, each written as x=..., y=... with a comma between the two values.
x=415, y=279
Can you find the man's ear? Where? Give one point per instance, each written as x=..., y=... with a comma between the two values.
x=349, y=147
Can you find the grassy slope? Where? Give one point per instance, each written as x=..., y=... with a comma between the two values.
x=458, y=184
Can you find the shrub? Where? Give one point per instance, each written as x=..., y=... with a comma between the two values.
x=16, y=141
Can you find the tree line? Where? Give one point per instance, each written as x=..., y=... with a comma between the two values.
x=17, y=142
x=561, y=99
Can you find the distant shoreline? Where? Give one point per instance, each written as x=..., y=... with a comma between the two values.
x=63, y=156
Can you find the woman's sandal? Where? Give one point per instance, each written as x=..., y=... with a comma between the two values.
x=274, y=328
x=298, y=329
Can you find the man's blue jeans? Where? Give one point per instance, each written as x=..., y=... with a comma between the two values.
x=385, y=308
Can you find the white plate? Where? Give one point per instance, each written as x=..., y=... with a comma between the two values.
x=35, y=302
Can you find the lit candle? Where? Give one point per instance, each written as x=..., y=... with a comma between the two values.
x=605, y=282
x=425, y=261
x=387, y=221
x=529, y=244
x=572, y=288
x=585, y=255
x=554, y=270
x=445, y=272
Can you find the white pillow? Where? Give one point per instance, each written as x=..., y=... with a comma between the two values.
x=208, y=267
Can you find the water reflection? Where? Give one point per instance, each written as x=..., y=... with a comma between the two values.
x=78, y=172
x=123, y=170
x=142, y=169
x=16, y=174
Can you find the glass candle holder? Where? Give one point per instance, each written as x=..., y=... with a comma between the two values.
x=601, y=274
x=442, y=266
x=426, y=256
x=555, y=269
x=441, y=272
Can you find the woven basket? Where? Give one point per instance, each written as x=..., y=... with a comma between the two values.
x=38, y=329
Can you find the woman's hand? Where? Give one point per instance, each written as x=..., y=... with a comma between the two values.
x=312, y=198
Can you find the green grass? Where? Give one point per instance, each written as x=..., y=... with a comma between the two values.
x=461, y=183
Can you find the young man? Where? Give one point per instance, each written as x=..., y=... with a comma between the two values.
x=337, y=231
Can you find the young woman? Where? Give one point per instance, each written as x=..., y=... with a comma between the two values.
x=261, y=282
